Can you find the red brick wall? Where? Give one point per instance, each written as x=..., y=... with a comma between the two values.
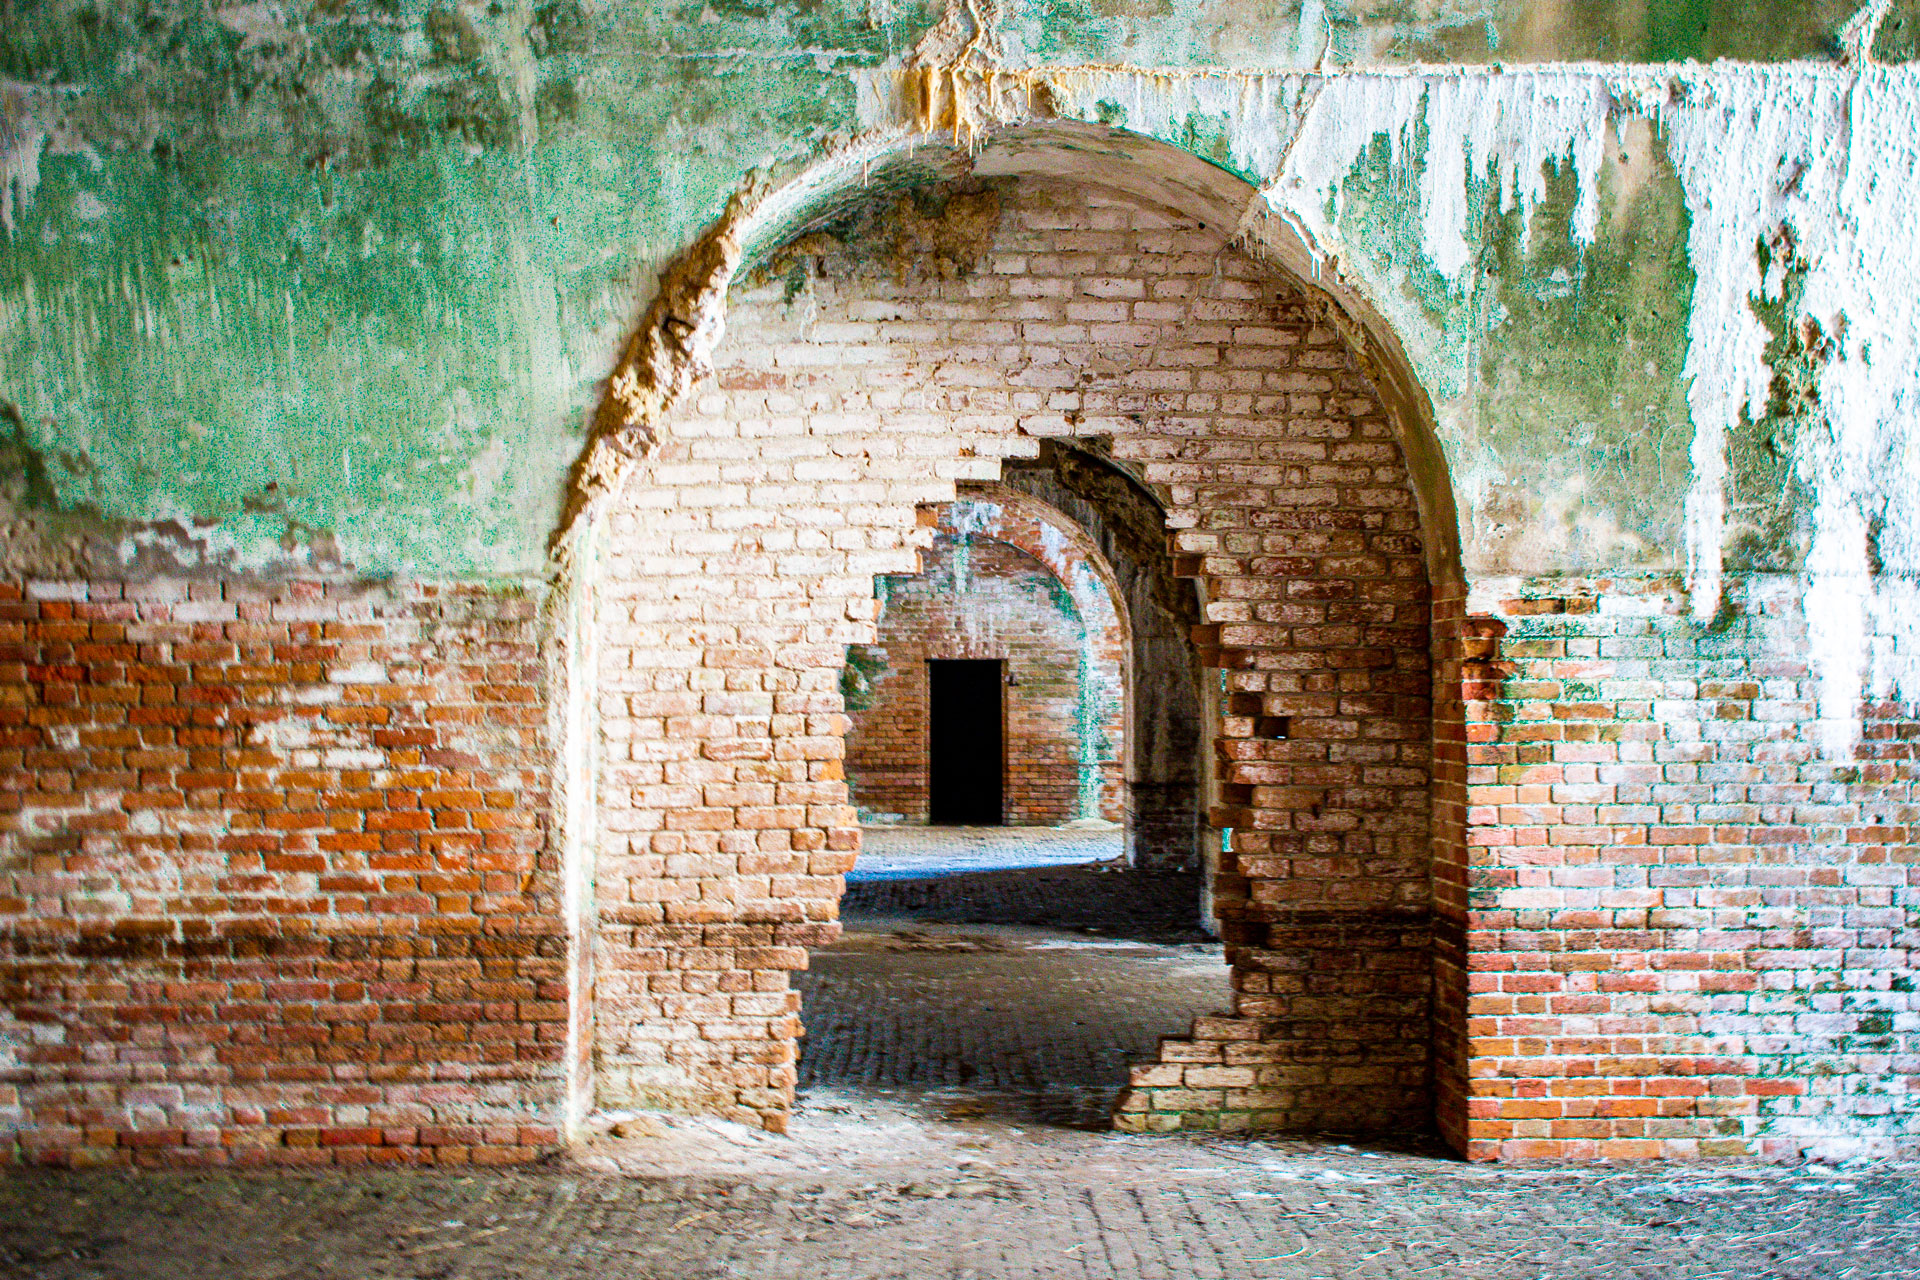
x=1689, y=926
x=724, y=823
x=1464, y=658
x=271, y=887
x=1013, y=606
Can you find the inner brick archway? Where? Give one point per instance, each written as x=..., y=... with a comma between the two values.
x=1008, y=580
x=920, y=341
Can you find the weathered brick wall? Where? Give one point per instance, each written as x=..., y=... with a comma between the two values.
x=1691, y=926
x=1463, y=668
x=996, y=584
x=725, y=600
x=1551, y=860
x=274, y=885
x=863, y=379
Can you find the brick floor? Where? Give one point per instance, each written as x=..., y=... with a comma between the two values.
x=1049, y=1018
x=895, y=1193
x=1113, y=901
x=982, y=958
x=945, y=1132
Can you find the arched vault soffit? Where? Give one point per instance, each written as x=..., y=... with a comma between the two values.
x=673, y=347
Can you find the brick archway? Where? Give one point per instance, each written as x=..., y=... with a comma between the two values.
x=1006, y=579
x=1167, y=819
x=873, y=364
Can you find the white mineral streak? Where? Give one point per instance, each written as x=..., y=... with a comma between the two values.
x=23, y=135
x=1831, y=156
x=1741, y=154
x=1313, y=36
x=1873, y=399
x=1858, y=34
x=1821, y=164
x=1855, y=217
x=1254, y=113
x=1512, y=127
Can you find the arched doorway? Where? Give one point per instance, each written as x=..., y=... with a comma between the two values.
x=892, y=347
x=1013, y=592
x=1014, y=956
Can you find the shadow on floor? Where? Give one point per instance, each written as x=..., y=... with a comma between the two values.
x=1016, y=996
x=1116, y=902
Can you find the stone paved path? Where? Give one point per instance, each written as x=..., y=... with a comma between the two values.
x=1048, y=1018
x=1034, y=983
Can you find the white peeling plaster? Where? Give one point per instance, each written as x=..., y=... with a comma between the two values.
x=1829, y=154
x=1824, y=164
x=1257, y=113
x=1517, y=125
x=30, y=125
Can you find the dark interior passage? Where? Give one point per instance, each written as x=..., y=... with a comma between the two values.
x=966, y=749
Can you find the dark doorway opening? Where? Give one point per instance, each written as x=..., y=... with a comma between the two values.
x=966, y=751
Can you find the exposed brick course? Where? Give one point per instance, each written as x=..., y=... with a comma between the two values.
x=271, y=891
x=1689, y=932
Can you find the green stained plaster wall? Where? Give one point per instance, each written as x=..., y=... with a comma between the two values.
x=1556, y=368
x=345, y=275
x=357, y=275
x=1578, y=412
x=1519, y=31
x=1898, y=39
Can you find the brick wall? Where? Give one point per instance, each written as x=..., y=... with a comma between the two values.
x=1547, y=859
x=1690, y=927
x=1465, y=666
x=1001, y=581
x=271, y=887
x=866, y=376
x=724, y=600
